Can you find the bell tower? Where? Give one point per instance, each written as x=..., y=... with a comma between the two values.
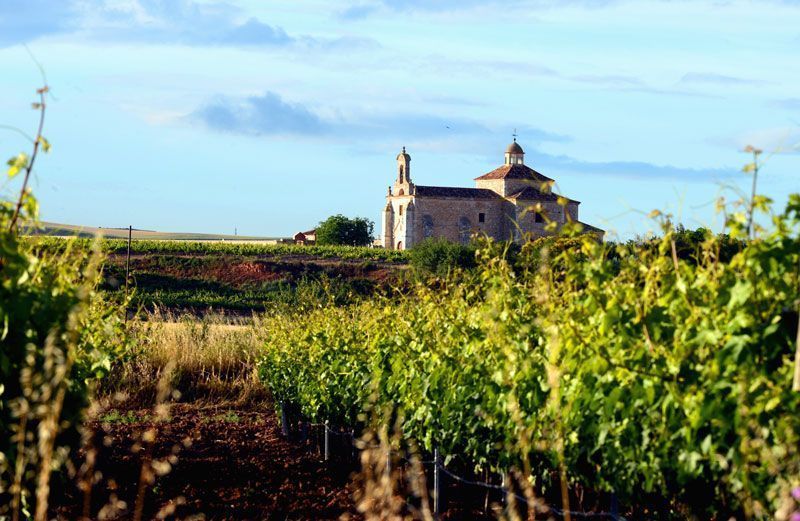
x=403, y=167
x=403, y=184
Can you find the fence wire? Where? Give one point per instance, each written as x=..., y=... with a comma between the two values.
x=489, y=486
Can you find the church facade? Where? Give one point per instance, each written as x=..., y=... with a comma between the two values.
x=512, y=202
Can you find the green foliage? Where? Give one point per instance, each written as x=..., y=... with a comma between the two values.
x=17, y=164
x=639, y=370
x=689, y=244
x=544, y=252
x=57, y=336
x=119, y=246
x=440, y=256
x=201, y=295
x=343, y=231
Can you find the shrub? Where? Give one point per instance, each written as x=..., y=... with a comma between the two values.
x=439, y=256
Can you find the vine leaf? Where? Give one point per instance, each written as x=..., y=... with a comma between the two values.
x=17, y=164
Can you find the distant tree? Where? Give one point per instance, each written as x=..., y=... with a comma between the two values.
x=338, y=229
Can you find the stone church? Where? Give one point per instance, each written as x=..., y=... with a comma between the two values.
x=513, y=202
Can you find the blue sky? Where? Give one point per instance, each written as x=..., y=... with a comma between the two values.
x=268, y=116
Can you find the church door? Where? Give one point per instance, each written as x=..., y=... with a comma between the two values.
x=400, y=245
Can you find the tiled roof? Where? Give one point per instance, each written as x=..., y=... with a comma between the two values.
x=530, y=193
x=463, y=193
x=515, y=172
x=590, y=228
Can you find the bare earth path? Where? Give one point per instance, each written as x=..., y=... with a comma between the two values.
x=237, y=466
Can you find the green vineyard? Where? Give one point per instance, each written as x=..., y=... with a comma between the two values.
x=178, y=247
x=625, y=368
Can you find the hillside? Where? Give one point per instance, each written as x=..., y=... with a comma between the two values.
x=237, y=277
x=234, y=283
x=71, y=230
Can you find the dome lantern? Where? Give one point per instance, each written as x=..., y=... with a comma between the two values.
x=514, y=153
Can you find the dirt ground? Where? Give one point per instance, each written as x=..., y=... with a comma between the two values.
x=234, y=464
x=223, y=463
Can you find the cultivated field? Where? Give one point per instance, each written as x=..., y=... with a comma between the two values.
x=561, y=379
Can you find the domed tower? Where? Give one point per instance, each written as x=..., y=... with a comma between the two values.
x=514, y=154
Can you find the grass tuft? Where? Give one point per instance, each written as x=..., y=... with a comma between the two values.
x=212, y=359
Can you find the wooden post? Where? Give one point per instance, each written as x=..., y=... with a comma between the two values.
x=503, y=484
x=327, y=441
x=284, y=422
x=128, y=270
x=128, y=260
x=436, y=483
x=488, y=490
x=614, y=506
x=756, y=152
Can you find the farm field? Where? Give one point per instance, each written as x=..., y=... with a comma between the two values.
x=236, y=277
x=456, y=381
x=224, y=419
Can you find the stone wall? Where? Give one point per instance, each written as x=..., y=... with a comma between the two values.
x=456, y=219
x=413, y=218
x=400, y=227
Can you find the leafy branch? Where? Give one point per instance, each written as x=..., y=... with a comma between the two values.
x=24, y=163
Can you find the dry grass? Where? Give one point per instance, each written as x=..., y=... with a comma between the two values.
x=210, y=358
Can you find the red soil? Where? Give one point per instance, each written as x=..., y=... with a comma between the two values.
x=238, y=466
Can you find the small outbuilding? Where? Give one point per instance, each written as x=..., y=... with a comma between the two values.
x=306, y=238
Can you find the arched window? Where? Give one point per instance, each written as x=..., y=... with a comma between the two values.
x=400, y=245
x=464, y=230
x=427, y=226
x=401, y=192
x=401, y=210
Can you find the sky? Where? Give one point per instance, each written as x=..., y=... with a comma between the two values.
x=266, y=117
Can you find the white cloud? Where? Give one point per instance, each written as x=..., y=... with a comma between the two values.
x=778, y=140
x=185, y=22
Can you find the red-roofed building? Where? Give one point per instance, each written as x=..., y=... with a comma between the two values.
x=512, y=201
x=309, y=237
